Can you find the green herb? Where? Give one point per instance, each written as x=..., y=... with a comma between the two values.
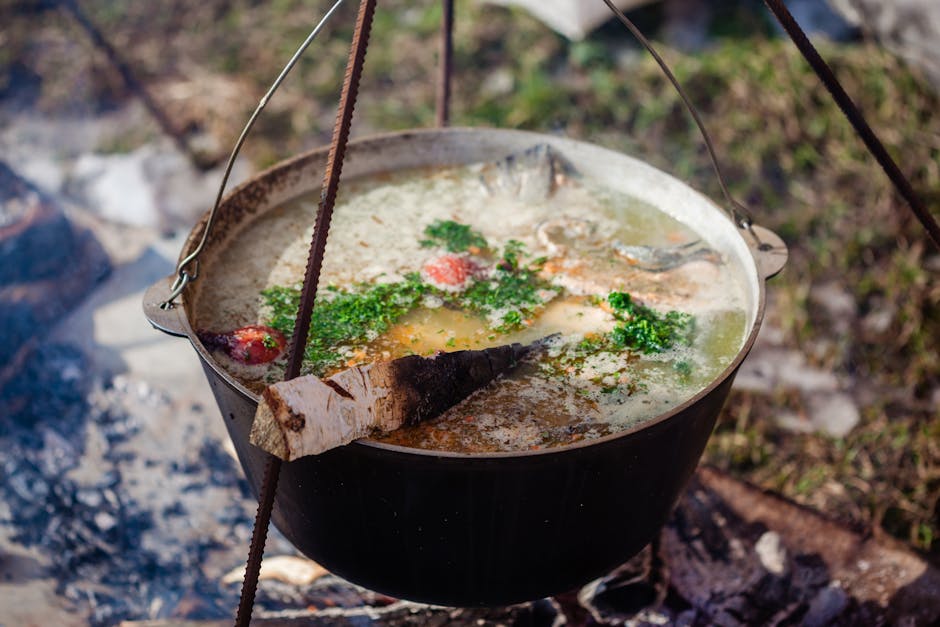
x=344, y=317
x=511, y=320
x=646, y=330
x=269, y=342
x=514, y=289
x=513, y=250
x=683, y=369
x=453, y=236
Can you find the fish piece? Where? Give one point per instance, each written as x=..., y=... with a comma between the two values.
x=566, y=236
x=531, y=175
x=309, y=415
x=250, y=345
x=655, y=259
x=576, y=238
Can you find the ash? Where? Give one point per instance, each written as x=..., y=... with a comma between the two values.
x=113, y=551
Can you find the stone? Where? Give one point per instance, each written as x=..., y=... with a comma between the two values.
x=36, y=240
x=116, y=187
x=834, y=413
x=772, y=553
x=818, y=18
x=837, y=303
x=826, y=607
x=769, y=368
x=154, y=186
x=909, y=28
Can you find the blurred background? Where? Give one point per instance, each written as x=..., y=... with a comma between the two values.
x=118, y=499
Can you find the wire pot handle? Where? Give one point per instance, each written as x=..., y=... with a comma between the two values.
x=740, y=214
x=185, y=275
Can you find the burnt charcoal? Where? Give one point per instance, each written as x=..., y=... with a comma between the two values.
x=196, y=605
x=21, y=85
x=175, y=509
x=736, y=555
x=232, y=515
x=623, y=593
x=47, y=264
x=18, y=321
x=37, y=241
x=28, y=226
x=223, y=470
x=826, y=607
x=59, y=454
x=49, y=389
x=41, y=249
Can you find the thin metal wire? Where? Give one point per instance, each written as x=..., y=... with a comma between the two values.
x=184, y=276
x=740, y=214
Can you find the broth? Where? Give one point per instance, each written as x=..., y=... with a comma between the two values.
x=446, y=245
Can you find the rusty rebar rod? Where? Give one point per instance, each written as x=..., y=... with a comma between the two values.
x=331, y=180
x=134, y=84
x=855, y=117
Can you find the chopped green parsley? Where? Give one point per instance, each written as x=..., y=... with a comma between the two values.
x=453, y=236
x=510, y=296
x=342, y=317
x=514, y=291
x=646, y=330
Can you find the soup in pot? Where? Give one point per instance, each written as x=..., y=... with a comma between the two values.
x=630, y=311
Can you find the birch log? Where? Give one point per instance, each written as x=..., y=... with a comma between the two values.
x=309, y=415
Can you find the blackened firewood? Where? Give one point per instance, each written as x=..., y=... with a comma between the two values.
x=308, y=415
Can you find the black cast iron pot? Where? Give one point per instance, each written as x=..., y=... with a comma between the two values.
x=483, y=529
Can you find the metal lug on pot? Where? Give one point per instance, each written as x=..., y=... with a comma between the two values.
x=770, y=252
x=169, y=320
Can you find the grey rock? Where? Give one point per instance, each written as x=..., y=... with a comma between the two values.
x=686, y=24
x=772, y=553
x=910, y=28
x=835, y=413
x=837, y=303
x=879, y=320
x=826, y=607
x=818, y=18
x=769, y=368
x=116, y=187
x=154, y=186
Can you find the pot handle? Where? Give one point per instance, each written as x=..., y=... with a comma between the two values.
x=170, y=319
x=770, y=252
